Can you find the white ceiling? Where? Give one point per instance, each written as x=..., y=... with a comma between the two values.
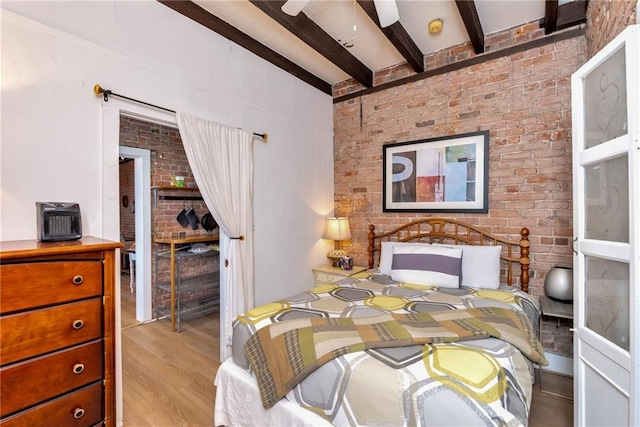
x=368, y=44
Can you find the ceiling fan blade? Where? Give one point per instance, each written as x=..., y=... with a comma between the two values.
x=387, y=12
x=294, y=7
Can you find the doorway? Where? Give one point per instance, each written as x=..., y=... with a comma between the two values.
x=141, y=270
x=127, y=238
x=112, y=114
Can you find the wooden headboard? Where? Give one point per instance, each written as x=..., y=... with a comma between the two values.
x=450, y=231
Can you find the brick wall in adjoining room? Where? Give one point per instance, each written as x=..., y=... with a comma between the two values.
x=523, y=100
x=168, y=159
x=127, y=188
x=605, y=20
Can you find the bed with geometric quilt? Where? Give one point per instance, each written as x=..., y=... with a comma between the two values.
x=435, y=333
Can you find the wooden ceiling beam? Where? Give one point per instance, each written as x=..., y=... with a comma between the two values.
x=398, y=36
x=465, y=63
x=572, y=13
x=309, y=32
x=469, y=15
x=203, y=17
x=560, y=16
x=550, y=16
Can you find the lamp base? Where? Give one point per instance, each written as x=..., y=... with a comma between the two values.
x=335, y=256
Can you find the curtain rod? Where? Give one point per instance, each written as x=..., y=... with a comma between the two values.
x=97, y=89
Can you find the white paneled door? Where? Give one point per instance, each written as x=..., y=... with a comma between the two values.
x=606, y=177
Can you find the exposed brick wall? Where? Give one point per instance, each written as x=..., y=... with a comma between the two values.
x=392, y=73
x=605, y=20
x=168, y=159
x=557, y=336
x=493, y=42
x=524, y=101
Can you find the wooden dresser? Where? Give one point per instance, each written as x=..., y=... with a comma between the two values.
x=57, y=342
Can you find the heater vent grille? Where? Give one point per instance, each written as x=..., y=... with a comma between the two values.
x=58, y=221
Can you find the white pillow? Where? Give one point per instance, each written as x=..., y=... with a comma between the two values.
x=427, y=265
x=386, y=255
x=480, y=265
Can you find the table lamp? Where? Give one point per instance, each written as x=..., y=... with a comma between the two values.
x=336, y=229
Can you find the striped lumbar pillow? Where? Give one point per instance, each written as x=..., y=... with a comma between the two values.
x=427, y=265
x=386, y=255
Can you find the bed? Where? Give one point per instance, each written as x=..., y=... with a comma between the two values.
x=440, y=330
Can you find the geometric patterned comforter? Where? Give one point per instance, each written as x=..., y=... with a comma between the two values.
x=484, y=382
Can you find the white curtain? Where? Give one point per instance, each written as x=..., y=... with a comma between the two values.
x=221, y=159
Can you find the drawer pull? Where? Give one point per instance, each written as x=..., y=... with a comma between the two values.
x=77, y=280
x=78, y=413
x=78, y=324
x=78, y=368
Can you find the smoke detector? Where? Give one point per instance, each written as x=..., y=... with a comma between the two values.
x=435, y=26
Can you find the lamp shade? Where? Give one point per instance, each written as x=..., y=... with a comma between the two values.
x=336, y=229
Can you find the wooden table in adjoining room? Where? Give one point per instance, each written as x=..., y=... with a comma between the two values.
x=173, y=242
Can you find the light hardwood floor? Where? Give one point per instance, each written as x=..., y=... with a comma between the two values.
x=168, y=377
x=128, y=303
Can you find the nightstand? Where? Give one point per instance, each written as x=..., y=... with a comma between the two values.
x=551, y=382
x=324, y=274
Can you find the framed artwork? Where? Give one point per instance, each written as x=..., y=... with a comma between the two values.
x=445, y=174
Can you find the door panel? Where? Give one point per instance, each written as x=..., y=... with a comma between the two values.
x=607, y=299
x=605, y=96
x=605, y=158
x=613, y=363
x=607, y=197
x=608, y=412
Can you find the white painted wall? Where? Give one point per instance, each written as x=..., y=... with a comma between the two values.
x=52, y=146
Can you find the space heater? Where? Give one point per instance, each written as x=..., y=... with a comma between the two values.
x=58, y=221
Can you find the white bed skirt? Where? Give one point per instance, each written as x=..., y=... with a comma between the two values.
x=238, y=403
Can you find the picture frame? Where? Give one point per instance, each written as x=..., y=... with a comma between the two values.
x=443, y=174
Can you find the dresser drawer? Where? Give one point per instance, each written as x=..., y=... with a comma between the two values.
x=41, y=331
x=40, y=284
x=78, y=409
x=22, y=383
